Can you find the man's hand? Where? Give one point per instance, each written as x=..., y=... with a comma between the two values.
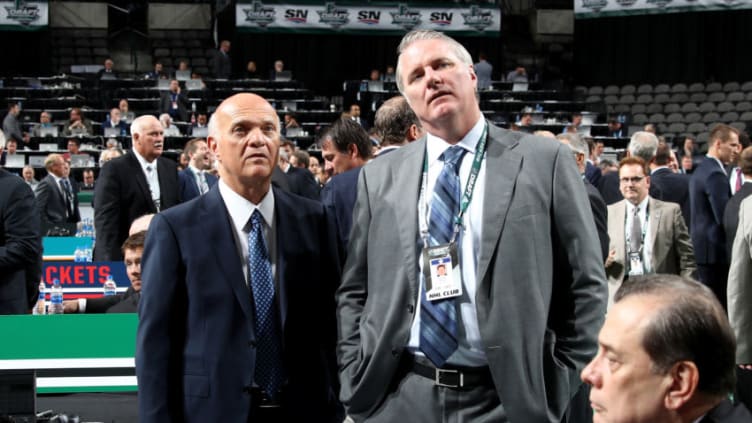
x=745, y=366
x=610, y=259
x=70, y=306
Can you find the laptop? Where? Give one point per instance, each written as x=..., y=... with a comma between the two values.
x=111, y=132
x=108, y=76
x=588, y=119
x=519, y=86
x=193, y=84
x=183, y=75
x=37, y=161
x=46, y=146
x=48, y=131
x=163, y=84
x=80, y=160
x=375, y=86
x=200, y=132
x=293, y=132
x=15, y=160
x=283, y=76
x=290, y=105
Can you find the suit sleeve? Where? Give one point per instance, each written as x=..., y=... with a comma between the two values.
x=739, y=291
x=717, y=190
x=100, y=305
x=20, y=219
x=578, y=304
x=351, y=298
x=683, y=243
x=600, y=215
x=43, y=193
x=107, y=212
x=161, y=333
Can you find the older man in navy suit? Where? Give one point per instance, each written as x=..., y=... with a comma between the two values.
x=239, y=327
x=195, y=179
x=708, y=194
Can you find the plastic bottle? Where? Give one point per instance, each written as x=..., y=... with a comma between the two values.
x=110, y=288
x=56, y=298
x=40, y=307
x=78, y=254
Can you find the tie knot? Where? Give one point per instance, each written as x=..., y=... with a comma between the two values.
x=452, y=155
x=636, y=211
x=256, y=219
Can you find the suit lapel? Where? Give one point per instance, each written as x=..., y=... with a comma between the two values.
x=619, y=240
x=56, y=188
x=655, y=221
x=284, y=224
x=503, y=165
x=143, y=186
x=408, y=173
x=219, y=230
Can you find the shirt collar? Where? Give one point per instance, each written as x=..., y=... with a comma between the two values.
x=723, y=168
x=643, y=205
x=240, y=208
x=659, y=168
x=435, y=146
x=142, y=161
x=194, y=169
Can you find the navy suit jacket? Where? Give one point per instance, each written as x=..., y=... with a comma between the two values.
x=303, y=183
x=188, y=185
x=51, y=205
x=609, y=189
x=709, y=192
x=196, y=344
x=675, y=189
x=338, y=196
x=592, y=173
x=20, y=245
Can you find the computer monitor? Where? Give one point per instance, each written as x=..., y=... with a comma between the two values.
x=48, y=131
x=111, y=132
x=283, y=76
x=37, y=161
x=290, y=105
x=200, y=132
x=108, y=76
x=183, y=75
x=193, y=84
x=163, y=84
x=293, y=132
x=375, y=86
x=80, y=160
x=15, y=160
x=519, y=86
x=48, y=146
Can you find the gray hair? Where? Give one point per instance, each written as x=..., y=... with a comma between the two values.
x=643, y=145
x=394, y=119
x=575, y=142
x=426, y=34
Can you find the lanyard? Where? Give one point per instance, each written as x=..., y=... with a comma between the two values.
x=480, y=150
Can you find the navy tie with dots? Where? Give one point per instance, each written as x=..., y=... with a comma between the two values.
x=269, y=370
x=438, y=319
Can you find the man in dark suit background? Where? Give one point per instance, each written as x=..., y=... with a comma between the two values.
x=195, y=180
x=20, y=244
x=56, y=198
x=731, y=214
x=400, y=360
x=673, y=186
x=643, y=145
x=396, y=124
x=239, y=327
x=345, y=149
x=221, y=63
x=709, y=192
x=130, y=186
x=300, y=181
x=174, y=102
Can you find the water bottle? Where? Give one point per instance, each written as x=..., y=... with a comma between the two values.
x=56, y=298
x=78, y=255
x=40, y=306
x=88, y=254
x=110, y=288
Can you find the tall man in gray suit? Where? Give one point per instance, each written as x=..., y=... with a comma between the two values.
x=517, y=321
x=740, y=286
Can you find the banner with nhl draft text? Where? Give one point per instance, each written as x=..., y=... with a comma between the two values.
x=606, y=8
x=269, y=16
x=23, y=15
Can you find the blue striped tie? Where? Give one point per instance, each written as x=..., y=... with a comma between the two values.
x=438, y=319
x=269, y=370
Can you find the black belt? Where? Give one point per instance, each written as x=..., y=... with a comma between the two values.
x=260, y=399
x=453, y=377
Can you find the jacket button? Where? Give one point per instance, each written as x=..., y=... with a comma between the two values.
x=410, y=308
x=395, y=352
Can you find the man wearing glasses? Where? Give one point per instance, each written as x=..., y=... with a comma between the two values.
x=647, y=235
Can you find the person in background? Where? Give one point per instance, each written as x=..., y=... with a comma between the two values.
x=28, y=175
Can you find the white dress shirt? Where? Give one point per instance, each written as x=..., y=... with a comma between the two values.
x=240, y=210
x=470, y=351
x=152, y=178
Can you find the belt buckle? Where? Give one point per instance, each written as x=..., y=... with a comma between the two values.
x=442, y=373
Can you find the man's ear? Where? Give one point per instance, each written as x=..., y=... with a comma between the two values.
x=352, y=150
x=683, y=379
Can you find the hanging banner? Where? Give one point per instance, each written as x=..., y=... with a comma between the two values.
x=23, y=15
x=606, y=8
x=265, y=16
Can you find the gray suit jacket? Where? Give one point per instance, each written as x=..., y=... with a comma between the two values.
x=672, y=248
x=539, y=304
x=739, y=290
